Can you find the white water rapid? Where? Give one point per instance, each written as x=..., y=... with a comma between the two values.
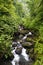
x=23, y=55
x=16, y=59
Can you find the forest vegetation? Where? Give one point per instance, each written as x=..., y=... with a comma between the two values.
x=28, y=13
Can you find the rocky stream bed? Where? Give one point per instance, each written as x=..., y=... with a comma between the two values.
x=24, y=38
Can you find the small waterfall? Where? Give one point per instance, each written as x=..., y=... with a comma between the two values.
x=26, y=35
x=24, y=54
x=16, y=59
x=19, y=52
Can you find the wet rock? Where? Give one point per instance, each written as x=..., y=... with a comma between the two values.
x=21, y=41
x=20, y=36
x=14, y=44
x=18, y=50
x=16, y=34
x=23, y=32
x=30, y=51
x=27, y=44
x=29, y=39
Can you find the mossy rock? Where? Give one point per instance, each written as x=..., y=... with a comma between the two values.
x=23, y=31
x=20, y=36
x=27, y=44
x=29, y=39
x=30, y=51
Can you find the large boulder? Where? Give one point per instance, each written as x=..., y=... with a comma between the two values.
x=18, y=50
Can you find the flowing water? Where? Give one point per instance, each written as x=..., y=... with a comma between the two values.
x=19, y=53
x=20, y=56
x=17, y=56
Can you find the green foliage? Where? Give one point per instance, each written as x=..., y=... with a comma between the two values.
x=19, y=9
x=38, y=50
x=35, y=22
x=11, y=15
x=8, y=25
